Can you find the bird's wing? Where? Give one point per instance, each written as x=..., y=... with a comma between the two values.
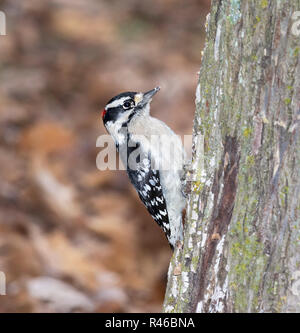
x=148, y=186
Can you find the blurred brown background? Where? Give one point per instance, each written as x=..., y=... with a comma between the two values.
x=73, y=238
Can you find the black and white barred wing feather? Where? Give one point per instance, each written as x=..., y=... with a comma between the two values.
x=149, y=188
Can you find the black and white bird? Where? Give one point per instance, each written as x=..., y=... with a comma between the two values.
x=153, y=155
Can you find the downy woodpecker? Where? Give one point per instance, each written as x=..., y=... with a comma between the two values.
x=153, y=155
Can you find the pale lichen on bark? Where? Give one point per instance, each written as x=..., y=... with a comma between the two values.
x=242, y=232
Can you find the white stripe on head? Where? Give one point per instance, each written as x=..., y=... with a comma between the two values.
x=117, y=102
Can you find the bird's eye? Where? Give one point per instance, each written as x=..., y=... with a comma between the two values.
x=128, y=104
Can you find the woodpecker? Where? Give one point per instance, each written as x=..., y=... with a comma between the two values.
x=153, y=155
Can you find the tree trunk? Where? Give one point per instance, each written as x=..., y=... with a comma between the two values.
x=241, y=250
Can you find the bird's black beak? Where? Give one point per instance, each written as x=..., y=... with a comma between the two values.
x=147, y=97
x=149, y=94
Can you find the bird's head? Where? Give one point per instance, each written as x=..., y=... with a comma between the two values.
x=121, y=108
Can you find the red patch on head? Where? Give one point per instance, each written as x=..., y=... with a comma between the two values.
x=103, y=113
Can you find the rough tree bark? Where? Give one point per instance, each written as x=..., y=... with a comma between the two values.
x=241, y=249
